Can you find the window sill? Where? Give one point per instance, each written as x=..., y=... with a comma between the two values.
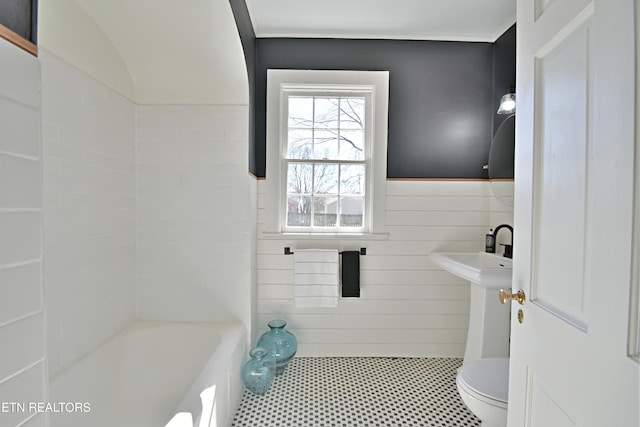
x=271, y=235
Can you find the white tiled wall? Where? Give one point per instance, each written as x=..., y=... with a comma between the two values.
x=408, y=307
x=22, y=359
x=187, y=255
x=194, y=213
x=88, y=139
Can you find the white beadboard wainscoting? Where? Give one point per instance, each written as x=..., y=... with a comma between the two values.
x=22, y=327
x=408, y=306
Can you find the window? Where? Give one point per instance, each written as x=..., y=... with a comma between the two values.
x=326, y=159
x=326, y=150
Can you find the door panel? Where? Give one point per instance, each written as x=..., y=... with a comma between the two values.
x=546, y=409
x=560, y=174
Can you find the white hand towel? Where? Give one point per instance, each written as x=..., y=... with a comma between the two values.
x=316, y=280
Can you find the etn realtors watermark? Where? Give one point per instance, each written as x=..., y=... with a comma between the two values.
x=40, y=407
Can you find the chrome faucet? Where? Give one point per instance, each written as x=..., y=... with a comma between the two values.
x=508, y=249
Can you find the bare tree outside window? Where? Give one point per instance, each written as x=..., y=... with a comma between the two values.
x=326, y=166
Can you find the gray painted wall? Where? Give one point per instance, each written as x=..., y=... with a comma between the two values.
x=439, y=103
x=20, y=16
x=443, y=95
x=504, y=71
x=248, y=40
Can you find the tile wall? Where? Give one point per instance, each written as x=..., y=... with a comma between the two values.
x=147, y=212
x=88, y=139
x=194, y=239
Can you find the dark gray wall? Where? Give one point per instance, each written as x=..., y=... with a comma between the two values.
x=443, y=95
x=504, y=71
x=440, y=102
x=20, y=16
x=248, y=40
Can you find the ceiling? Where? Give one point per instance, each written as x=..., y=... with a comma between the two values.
x=151, y=51
x=176, y=54
x=459, y=20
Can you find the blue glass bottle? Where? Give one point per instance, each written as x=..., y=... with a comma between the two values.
x=259, y=371
x=282, y=344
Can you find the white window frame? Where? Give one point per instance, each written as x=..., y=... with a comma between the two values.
x=375, y=84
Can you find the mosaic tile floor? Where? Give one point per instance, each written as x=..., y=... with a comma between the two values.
x=360, y=392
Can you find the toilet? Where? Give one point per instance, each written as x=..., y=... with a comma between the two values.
x=483, y=386
x=483, y=379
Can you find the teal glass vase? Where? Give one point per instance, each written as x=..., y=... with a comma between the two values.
x=259, y=372
x=282, y=344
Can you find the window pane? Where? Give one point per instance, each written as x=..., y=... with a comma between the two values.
x=326, y=179
x=325, y=211
x=325, y=144
x=352, y=180
x=352, y=113
x=300, y=144
x=300, y=112
x=327, y=112
x=299, y=211
x=351, y=211
x=325, y=161
x=352, y=145
x=299, y=178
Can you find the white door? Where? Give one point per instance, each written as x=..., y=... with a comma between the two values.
x=570, y=358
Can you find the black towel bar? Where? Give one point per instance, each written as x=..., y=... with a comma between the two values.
x=287, y=251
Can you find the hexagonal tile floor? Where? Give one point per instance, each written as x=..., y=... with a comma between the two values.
x=360, y=392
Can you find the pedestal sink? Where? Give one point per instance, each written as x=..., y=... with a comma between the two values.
x=486, y=270
x=488, y=334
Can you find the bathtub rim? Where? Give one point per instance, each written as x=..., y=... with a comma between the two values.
x=223, y=358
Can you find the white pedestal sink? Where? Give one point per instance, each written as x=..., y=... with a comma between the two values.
x=486, y=270
x=488, y=334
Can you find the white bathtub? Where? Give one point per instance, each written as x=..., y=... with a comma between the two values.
x=153, y=374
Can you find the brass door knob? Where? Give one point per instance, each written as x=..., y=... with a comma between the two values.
x=506, y=296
